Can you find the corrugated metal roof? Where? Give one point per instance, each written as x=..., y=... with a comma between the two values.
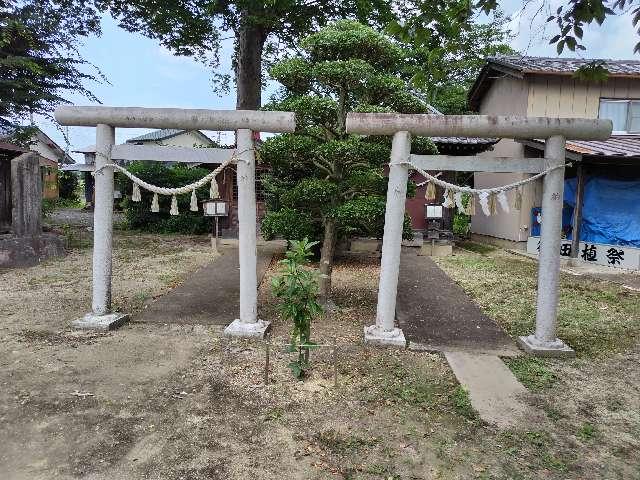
x=526, y=64
x=617, y=146
x=156, y=135
x=627, y=146
x=465, y=140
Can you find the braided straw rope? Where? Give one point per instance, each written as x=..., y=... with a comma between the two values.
x=482, y=191
x=178, y=190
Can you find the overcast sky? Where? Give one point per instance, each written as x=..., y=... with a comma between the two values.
x=141, y=73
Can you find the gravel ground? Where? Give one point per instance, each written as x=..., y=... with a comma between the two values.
x=76, y=217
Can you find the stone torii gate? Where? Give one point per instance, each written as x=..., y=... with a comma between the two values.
x=554, y=130
x=244, y=122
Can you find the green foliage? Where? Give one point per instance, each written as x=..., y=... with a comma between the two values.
x=49, y=205
x=446, y=48
x=364, y=216
x=595, y=71
x=587, y=432
x=139, y=215
x=461, y=224
x=347, y=39
x=67, y=185
x=264, y=30
x=38, y=56
x=288, y=223
x=320, y=171
x=534, y=373
x=462, y=403
x=310, y=194
x=297, y=288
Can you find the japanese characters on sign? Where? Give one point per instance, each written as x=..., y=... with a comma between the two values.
x=610, y=255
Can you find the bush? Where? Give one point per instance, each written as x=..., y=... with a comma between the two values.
x=289, y=224
x=139, y=215
x=67, y=185
x=461, y=224
x=364, y=216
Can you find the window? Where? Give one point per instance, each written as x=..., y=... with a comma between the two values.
x=625, y=115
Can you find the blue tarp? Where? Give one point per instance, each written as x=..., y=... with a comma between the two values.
x=610, y=211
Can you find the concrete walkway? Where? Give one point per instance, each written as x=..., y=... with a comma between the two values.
x=495, y=393
x=211, y=296
x=437, y=315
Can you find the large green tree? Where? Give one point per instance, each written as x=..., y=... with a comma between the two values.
x=260, y=29
x=324, y=182
x=39, y=64
x=445, y=57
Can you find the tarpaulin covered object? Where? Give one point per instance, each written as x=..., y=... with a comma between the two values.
x=610, y=210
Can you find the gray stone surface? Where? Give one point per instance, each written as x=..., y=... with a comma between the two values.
x=494, y=391
x=555, y=349
x=210, y=296
x=109, y=321
x=257, y=329
x=19, y=251
x=437, y=314
x=374, y=335
x=26, y=195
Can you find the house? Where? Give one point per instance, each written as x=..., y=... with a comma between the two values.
x=174, y=138
x=51, y=156
x=454, y=146
x=180, y=138
x=602, y=188
x=165, y=137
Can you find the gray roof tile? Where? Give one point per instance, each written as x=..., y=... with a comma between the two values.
x=526, y=64
x=156, y=135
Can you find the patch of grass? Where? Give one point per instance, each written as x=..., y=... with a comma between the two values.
x=587, y=431
x=481, y=248
x=342, y=443
x=532, y=372
x=535, y=449
x=403, y=384
x=462, y=403
x=594, y=317
x=553, y=413
x=274, y=414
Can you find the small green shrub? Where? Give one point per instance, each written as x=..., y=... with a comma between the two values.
x=461, y=224
x=288, y=223
x=297, y=288
x=67, y=185
x=587, y=431
x=364, y=216
x=139, y=215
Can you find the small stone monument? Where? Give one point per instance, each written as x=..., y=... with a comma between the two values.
x=22, y=241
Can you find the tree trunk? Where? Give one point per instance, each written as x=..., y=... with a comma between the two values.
x=326, y=259
x=250, y=40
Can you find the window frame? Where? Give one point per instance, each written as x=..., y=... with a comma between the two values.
x=629, y=102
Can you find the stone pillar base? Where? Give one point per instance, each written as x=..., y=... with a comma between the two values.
x=375, y=335
x=257, y=329
x=557, y=348
x=92, y=321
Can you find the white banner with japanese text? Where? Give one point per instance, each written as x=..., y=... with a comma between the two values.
x=619, y=256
